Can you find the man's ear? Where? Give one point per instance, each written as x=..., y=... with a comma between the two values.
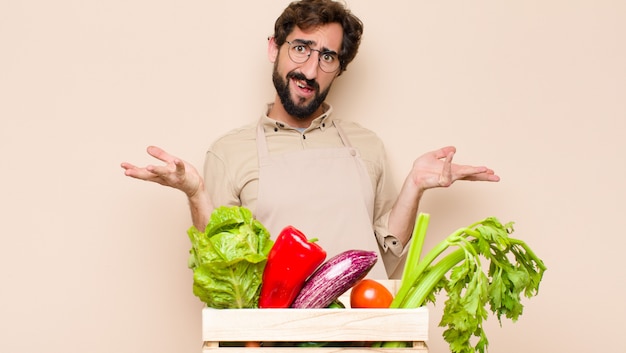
x=272, y=50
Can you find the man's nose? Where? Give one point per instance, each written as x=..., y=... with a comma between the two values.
x=309, y=68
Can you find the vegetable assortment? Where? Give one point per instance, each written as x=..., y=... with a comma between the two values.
x=236, y=265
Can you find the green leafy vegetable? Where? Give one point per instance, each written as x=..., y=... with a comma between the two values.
x=512, y=270
x=228, y=258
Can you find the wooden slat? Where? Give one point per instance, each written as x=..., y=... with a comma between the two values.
x=315, y=324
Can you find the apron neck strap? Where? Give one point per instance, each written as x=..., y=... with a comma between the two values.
x=342, y=135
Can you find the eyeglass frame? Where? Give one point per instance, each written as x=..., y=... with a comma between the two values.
x=306, y=44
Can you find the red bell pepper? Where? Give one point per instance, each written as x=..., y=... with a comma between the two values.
x=290, y=262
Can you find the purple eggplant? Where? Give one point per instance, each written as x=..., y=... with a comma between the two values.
x=335, y=277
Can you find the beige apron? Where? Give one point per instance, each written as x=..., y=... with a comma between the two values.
x=326, y=193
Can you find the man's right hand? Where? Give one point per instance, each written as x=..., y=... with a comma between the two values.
x=176, y=173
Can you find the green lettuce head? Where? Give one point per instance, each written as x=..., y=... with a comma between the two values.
x=228, y=259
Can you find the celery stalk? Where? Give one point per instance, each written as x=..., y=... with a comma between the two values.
x=415, y=250
x=412, y=257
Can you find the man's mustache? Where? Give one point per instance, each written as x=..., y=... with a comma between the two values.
x=300, y=77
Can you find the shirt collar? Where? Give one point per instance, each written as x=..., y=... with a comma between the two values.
x=322, y=122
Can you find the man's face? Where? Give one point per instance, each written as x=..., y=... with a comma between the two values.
x=303, y=87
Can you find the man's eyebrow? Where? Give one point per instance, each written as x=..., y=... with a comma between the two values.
x=311, y=43
x=303, y=41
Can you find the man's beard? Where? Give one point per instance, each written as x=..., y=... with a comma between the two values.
x=282, y=89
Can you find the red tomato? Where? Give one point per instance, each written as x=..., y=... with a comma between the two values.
x=368, y=293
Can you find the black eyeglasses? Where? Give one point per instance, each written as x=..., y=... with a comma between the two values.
x=301, y=52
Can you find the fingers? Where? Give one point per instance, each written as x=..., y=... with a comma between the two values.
x=444, y=152
x=478, y=174
x=154, y=152
x=180, y=167
x=451, y=172
x=435, y=169
x=127, y=166
x=160, y=154
x=445, y=178
x=150, y=172
x=131, y=169
x=486, y=176
x=173, y=173
x=482, y=177
x=136, y=172
x=165, y=171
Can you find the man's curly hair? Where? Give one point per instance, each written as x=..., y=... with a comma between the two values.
x=306, y=14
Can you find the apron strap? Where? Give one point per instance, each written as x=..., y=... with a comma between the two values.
x=342, y=135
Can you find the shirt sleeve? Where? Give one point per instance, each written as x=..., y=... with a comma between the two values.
x=218, y=184
x=388, y=242
x=393, y=251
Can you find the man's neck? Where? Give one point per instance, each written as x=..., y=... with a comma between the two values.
x=277, y=112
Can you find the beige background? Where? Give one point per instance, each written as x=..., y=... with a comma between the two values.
x=92, y=261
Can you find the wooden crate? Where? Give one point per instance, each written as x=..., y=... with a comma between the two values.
x=274, y=326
